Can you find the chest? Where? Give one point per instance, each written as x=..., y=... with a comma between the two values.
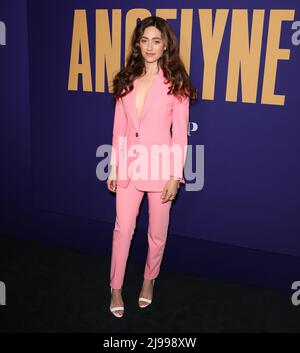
x=142, y=90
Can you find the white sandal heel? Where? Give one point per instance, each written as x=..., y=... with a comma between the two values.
x=149, y=301
x=116, y=308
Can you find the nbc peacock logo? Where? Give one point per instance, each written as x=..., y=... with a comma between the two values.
x=2, y=33
x=2, y=293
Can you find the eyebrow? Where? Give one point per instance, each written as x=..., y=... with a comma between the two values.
x=152, y=38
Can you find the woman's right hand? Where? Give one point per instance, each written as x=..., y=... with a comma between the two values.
x=111, y=181
x=111, y=185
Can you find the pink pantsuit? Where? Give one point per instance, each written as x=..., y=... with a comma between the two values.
x=159, y=113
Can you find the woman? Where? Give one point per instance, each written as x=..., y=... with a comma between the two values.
x=153, y=93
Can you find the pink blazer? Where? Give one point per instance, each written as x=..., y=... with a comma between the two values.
x=160, y=112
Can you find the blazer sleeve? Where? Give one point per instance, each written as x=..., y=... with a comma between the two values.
x=180, y=120
x=119, y=130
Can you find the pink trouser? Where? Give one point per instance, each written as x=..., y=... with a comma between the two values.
x=128, y=202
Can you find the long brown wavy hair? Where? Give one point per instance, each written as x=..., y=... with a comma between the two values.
x=170, y=62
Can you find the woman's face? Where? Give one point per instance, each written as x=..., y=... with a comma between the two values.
x=151, y=44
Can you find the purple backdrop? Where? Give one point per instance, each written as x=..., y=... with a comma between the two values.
x=50, y=135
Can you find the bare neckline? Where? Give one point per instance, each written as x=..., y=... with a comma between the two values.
x=146, y=96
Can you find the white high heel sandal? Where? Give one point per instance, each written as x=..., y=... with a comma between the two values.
x=116, y=308
x=149, y=301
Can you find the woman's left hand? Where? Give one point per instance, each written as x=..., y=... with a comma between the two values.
x=170, y=190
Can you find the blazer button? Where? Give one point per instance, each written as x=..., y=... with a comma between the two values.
x=136, y=134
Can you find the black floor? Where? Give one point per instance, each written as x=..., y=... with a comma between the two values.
x=51, y=289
